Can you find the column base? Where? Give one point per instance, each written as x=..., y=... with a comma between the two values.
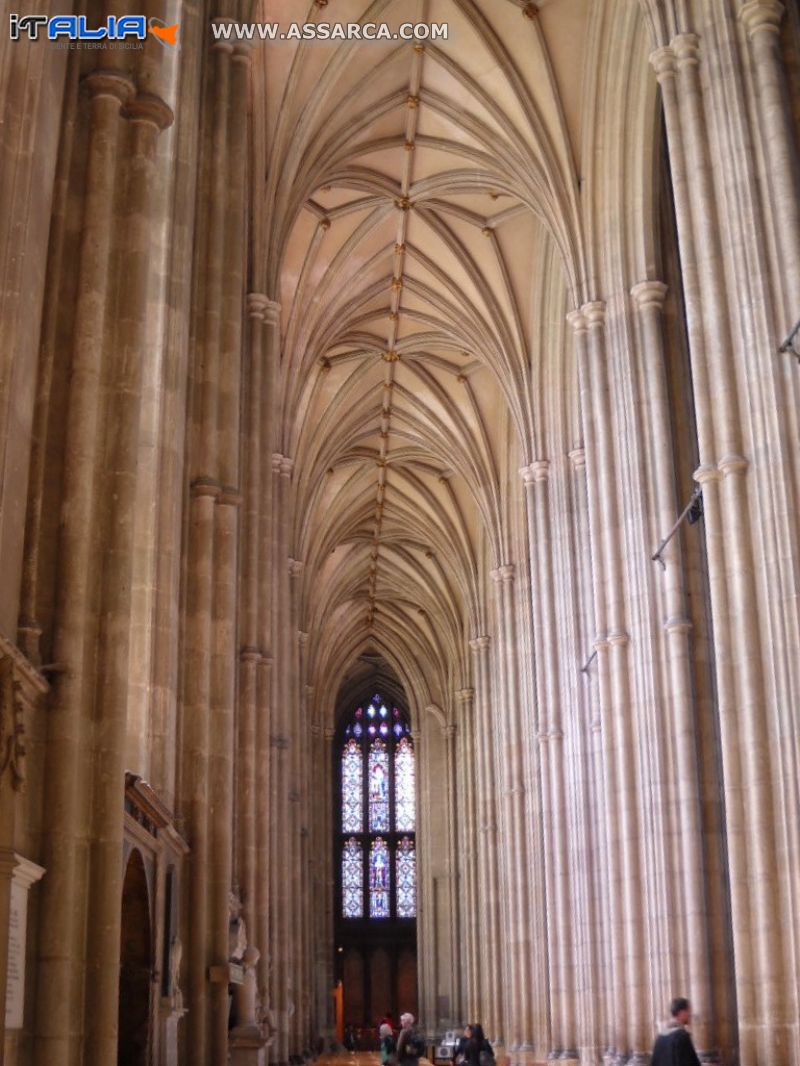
x=523, y=1055
x=248, y=1046
x=170, y=1019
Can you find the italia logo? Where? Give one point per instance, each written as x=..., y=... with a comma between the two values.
x=76, y=28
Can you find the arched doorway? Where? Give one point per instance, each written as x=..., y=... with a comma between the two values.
x=376, y=859
x=136, y=965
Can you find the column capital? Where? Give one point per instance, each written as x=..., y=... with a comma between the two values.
x=649, y=294
x=479, y=643
x=664, y=63
x=687, y=49
x=282, y=464
x=205, y=486
x=762, y=16
x=260, y=306
x=465, y=695
x=503, y=574
x=302, y=640
x=577, y=320
x=229, y=496
x=578, y=458
x=595, y=313
x=732, y=464
x=221, y=45
x=150, y=110
x=111, y=83
x=538, y=470
x=449, y=731
x=706, y=473
x=295, y=570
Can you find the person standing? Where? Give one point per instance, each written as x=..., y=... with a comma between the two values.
x=460, y=1050
x=478, y=1050
x=673, y=1046
x=388, y=1045
x=410, y=1045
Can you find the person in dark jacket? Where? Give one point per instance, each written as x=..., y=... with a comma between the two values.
x=410, y=1045
x=673, y=1046
x=478, y=1050
x=460, y=1050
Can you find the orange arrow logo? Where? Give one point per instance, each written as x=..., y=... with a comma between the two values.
x=165, y=34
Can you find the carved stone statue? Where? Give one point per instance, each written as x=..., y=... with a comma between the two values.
x=237, y=939
x=246, y=992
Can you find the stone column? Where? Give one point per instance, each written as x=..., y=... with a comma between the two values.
x=195, y=738
x=516, y=933
x=551, y=738
x=488, y=859
x=762, y=21
x=457, y=961
x=632, y=943
x=593, y=1004
x=261, y=831
x=649, y=298
x=250, y=655
x=742, y=698
x=67, y=783
x=466, y=783
x=616, y=1035
x=148, y=115
x=265, y=622
x=282, y=468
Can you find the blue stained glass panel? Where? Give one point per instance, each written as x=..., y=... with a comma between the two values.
x=352, y=788
x=379, y=879
x=404, y=787
x=378, y=788
x=406, y=860
x=352, y=880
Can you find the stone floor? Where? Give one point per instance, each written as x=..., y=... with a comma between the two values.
x=355, y=1058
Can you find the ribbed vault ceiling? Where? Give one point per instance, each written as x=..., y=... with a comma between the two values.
x=421, y=219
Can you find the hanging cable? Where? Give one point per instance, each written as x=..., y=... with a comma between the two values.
x=792, y=341
x=693, y=511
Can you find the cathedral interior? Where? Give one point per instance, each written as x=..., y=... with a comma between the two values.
x=400, y=530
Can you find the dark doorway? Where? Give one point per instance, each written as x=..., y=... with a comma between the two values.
x=136, y=965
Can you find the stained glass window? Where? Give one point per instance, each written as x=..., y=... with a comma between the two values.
x=352, y=788
x=404, y=787
x=378, y=788
x=406, y=879
x=378, y=805
x=379, y=877
x=352, y=880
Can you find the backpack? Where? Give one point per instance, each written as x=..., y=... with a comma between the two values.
x=417, y=1045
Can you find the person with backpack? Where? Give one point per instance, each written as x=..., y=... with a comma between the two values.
x=410, y=1045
